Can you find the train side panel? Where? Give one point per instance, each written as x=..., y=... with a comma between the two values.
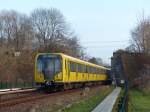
x=69, y=76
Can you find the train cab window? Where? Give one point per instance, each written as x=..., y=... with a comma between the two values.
x=49, y=65
x=39, y=65
x=57, y=65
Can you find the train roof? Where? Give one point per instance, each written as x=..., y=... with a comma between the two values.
x=77, y=60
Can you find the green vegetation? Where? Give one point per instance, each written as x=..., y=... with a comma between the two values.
x=89, y=104
x=139, y=101
x=7, y=85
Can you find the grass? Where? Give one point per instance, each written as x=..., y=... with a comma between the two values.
x=87, y=105
x=139, y=101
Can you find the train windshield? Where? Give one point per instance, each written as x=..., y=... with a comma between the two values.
x=49, y=65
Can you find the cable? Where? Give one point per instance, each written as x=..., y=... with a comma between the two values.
x=104, y=46
x=105, y=41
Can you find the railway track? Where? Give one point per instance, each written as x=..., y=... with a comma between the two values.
x=7, y=97
x=35, y=95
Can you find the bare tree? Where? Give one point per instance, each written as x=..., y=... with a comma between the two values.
x=47, y=24
x=1, y=33
x=53, y=33
x=141, y=36
x=15, y=28
x=97, y=61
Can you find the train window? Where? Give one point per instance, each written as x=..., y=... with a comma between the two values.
x=72, y=67
x=49, y=65
x=57, y=65
x=99, y=71
x=79, y=68
x=90, y=69
x=87, y=69
x=94, y=70
x=104, y=71
x=84, y=68
x=39, y=65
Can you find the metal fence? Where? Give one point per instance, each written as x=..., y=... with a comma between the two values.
x=9, y=85
x=123, y=102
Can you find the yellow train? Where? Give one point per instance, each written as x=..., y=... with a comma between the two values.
x=59, y=69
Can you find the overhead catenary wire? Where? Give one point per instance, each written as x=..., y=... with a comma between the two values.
x=91, y=42
x=104, y=44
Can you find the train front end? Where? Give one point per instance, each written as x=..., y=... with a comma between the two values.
x=48, y=69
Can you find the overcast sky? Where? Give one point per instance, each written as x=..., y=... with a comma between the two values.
x=102, y=26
